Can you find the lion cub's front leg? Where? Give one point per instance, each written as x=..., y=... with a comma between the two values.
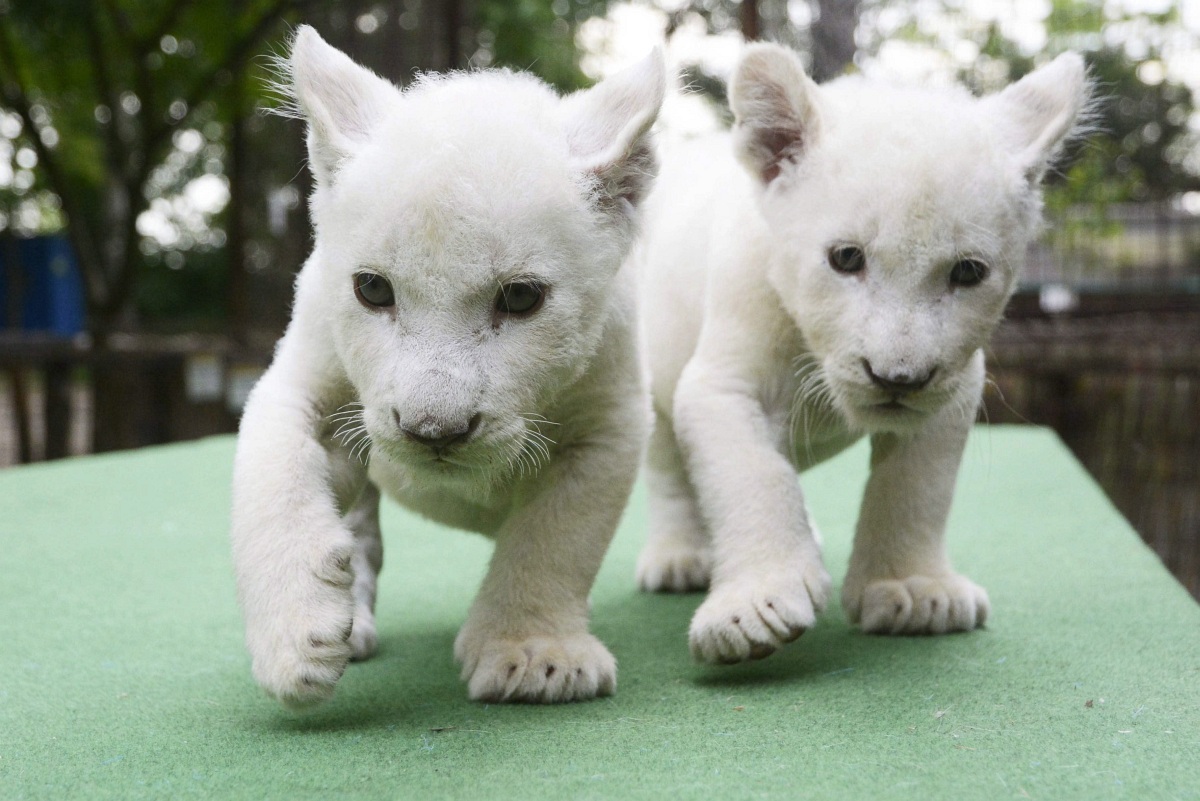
x=900, y=580
x=293, y=551
x=768, y=579
x=526, y=637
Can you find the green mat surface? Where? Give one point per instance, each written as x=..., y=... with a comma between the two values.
x=122, y=672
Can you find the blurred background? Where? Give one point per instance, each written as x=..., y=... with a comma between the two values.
x=152, y=214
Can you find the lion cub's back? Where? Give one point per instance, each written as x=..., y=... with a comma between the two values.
x=688, y=218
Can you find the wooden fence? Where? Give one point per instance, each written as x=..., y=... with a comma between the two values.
x=62, y=397
x=1118, y=378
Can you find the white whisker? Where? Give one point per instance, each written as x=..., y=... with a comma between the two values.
x=533, y=449
x=812, y=403
x=351, y=430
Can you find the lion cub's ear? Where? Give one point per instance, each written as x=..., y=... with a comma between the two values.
x=776, y=116
x=1039, y=112
x=608, y=127
x=341, y=101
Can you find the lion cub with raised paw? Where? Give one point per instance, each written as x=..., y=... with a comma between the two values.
x=463, y=338
x=839, y=282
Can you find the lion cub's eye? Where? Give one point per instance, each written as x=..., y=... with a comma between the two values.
x=968, y=272
x=847, y=258
x=373, y=291
x=520, y=298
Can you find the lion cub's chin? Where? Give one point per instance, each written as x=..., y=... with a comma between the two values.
x=891, y=417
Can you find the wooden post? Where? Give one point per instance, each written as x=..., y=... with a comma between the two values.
x=750, y=20
x=57, y=376
x=22, y=430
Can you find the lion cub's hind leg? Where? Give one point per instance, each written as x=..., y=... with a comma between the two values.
x=678, y=555
x=363, y=521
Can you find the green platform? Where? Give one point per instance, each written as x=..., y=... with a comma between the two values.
x=122, y=673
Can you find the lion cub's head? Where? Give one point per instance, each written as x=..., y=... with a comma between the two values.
x=468, y=232
x=900, y=217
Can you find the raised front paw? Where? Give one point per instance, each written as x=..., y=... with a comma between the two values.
x=673, y=567
x=750, y=620
x=300, y=645
x=540, y=670
x=916, y=605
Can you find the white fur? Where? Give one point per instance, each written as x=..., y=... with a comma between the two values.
x=758, y=347
x=449, y=190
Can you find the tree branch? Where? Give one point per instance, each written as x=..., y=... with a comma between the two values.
x=168, y=20
x=104, y=89
x=121, y=23
x=234, y=58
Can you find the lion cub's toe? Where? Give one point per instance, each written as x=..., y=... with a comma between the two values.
x=673, y=568
x=539, y=670
x=919, y=605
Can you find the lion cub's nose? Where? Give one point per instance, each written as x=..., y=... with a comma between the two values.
x=899, y=381
x=438, y=434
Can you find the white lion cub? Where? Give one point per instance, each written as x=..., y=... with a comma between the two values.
x=465, y=321
x=840, y=282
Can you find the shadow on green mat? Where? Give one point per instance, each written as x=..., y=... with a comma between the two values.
x=414, y=678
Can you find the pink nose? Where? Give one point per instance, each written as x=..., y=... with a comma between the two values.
x=439, y=434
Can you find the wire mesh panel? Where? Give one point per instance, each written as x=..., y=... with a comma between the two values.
x=1123, y=391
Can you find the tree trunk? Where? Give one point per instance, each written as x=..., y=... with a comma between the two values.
x=24, y=426
x=236, y=167
x=833, y=45
x=57, y=376
x=453, y=16
x=750, y=20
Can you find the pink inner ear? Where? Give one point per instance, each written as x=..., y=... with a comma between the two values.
x=780, y=144
x=627, y=177
x=613, y=189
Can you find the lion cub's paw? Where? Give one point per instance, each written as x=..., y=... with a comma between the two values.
x=918, y=605
x=751, y=620
x=673, y=567
x=539, y=670
x=299, y=656
x=303, y=670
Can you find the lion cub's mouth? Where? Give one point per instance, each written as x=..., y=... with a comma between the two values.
x=896, y=407
x=446, y=459
x=893, y=414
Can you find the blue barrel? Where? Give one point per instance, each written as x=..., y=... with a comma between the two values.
x=49, y=283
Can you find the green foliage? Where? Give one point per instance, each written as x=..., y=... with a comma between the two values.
x=535, y=35
x=115, y=82
x=183, y=292
x=1141, y=116
x=1138, y=137
x=103, y=88
x=128, y=102
x=1144, y=125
